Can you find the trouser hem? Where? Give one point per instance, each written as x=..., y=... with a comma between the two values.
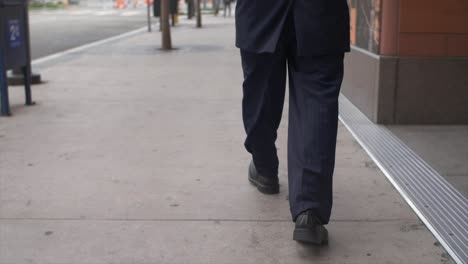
x=297, y=210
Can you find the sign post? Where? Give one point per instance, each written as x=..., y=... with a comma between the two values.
x=4, y=101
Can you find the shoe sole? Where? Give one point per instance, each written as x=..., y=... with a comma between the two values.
x=308, y=236
x=264, y=188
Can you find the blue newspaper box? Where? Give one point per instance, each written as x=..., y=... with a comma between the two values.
x=14, y=48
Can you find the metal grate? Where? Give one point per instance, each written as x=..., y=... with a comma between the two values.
x=437, y=203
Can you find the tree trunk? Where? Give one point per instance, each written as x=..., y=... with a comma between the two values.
x=199, y=15
x=166, y=29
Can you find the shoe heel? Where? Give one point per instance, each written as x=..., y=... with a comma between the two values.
x=268, y=189
x=308, y=236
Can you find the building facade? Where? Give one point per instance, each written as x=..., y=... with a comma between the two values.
x=409, y=61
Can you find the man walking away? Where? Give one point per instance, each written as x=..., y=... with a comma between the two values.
x=305, y=39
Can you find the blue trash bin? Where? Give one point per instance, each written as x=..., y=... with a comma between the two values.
x=14, y=48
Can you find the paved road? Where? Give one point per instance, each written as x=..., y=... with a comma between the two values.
x=55, y=31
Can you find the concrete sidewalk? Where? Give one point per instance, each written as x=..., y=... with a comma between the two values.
x=134, y=155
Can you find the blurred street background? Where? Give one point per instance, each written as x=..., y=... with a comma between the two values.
x=62, y=28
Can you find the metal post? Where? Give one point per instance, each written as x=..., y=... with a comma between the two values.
x=27, y=84
x=27, y=68
x=5, y=103
x=149, y=15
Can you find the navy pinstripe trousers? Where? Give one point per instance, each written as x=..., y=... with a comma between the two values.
x=314, y=86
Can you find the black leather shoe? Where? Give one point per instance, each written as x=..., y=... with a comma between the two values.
x=309, y=229
x=266, y=185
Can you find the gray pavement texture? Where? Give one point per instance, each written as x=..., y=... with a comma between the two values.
x=445, y=148
x=134, y=155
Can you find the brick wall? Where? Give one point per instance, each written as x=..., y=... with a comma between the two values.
x=433, y=28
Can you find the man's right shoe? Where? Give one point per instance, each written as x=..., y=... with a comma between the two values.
x=266, y=185
x=309, y=229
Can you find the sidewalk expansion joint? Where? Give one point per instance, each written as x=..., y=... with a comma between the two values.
x=197, y=220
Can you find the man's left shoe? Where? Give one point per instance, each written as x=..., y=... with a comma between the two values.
x=266, y=185
x=309, y=229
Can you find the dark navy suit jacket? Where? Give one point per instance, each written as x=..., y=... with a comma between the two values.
x=321, y=26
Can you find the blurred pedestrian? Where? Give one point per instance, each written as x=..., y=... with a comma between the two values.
x=174, y=9
x=227, y=7
x=216, y=4
x=190, y=8
x=305, y=39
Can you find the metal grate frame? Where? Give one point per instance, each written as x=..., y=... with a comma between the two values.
x=442, y=208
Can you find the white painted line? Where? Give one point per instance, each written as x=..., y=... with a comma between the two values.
x=88, y=46
x=48, y=12
x=41, y=19
x=106, y=13
x=131, y=13
x=81, y=12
